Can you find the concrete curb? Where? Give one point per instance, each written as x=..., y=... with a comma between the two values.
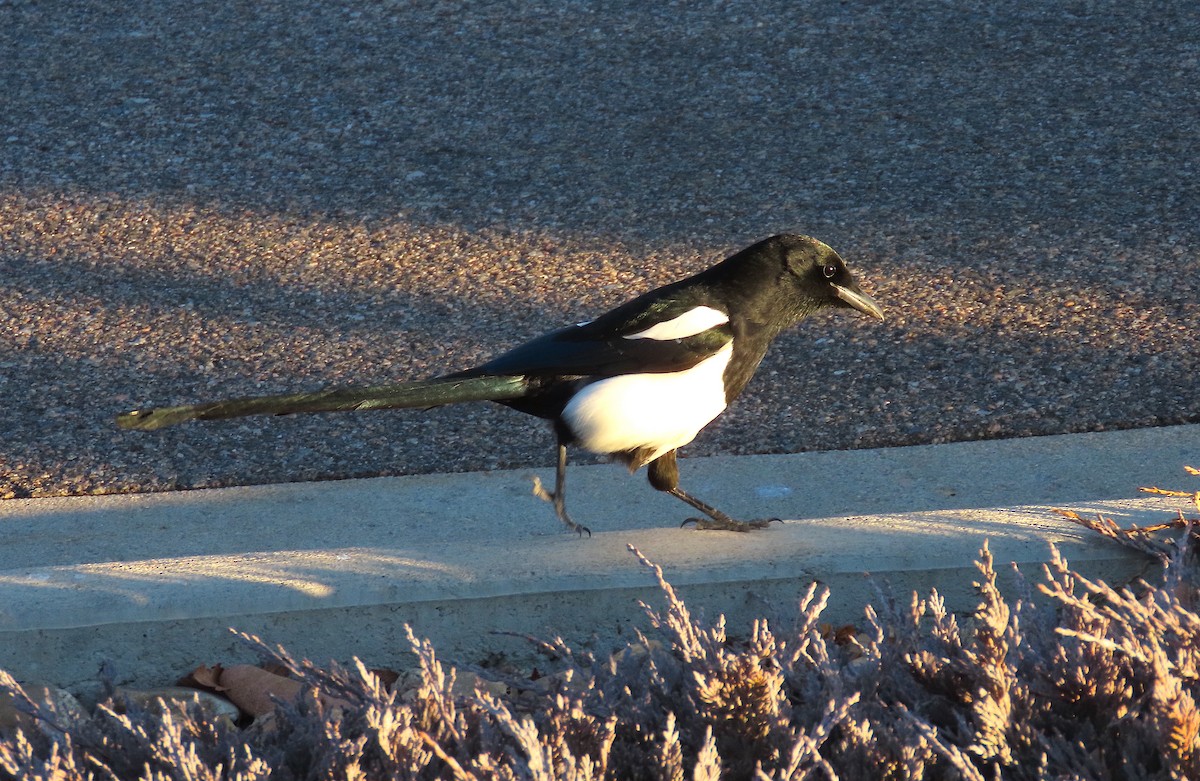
x=331, y=570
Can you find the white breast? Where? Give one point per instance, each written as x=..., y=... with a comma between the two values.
x=657, y=411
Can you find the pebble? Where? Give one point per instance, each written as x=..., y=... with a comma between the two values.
x=179, y=699
x=59, y=705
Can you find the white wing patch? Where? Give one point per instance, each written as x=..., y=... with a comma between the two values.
x=659, y=411
x=690, y=323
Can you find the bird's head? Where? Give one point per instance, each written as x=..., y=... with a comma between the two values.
x=817, y=275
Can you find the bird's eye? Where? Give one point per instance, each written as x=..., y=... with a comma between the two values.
x=830, y=271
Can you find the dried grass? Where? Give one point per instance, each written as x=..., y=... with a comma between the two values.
x=1070, y=680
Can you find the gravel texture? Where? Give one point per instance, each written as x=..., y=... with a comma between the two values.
x=209, y=199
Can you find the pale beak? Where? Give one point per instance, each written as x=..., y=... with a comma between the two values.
x=858, y=299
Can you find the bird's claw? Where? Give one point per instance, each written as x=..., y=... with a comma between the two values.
x=729, y=524
x=540, y=492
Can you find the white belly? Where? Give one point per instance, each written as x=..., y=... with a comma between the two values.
x=657, y=411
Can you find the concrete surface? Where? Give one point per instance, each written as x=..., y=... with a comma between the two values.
x=152, y=582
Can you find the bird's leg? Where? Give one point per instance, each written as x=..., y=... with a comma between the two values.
x=559, y=496
x=664, y=476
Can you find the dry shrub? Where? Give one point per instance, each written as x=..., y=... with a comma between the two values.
x=1071, y=680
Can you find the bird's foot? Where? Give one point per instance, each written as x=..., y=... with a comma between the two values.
x=730, y=525
x=540, y=492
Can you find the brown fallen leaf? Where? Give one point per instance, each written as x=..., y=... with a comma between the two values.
x=255, y=690
x=386, y=676
x=203, y=677
x=252, y=688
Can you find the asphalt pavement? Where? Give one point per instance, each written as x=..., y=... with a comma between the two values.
x=206, y=199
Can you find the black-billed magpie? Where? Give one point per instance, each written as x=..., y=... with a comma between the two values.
x=636, y=383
